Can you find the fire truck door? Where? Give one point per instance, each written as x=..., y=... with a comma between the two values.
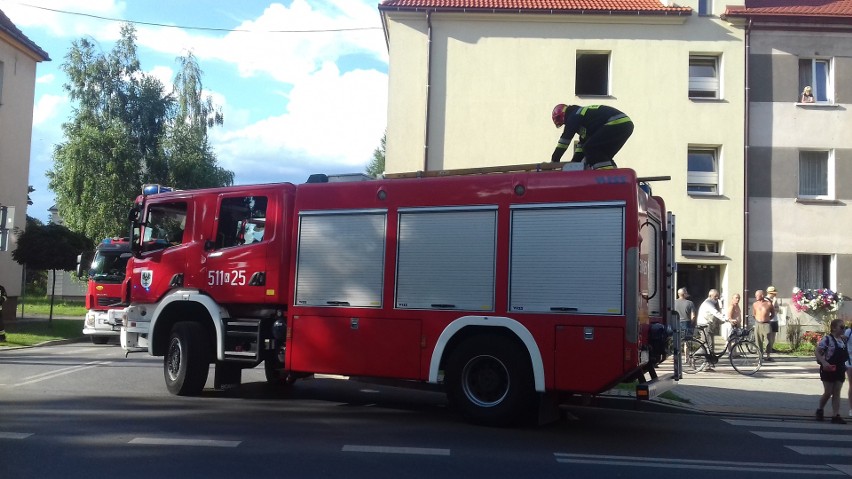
x=235, y=266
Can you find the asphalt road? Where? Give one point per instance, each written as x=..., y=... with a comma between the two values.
x=80, y=410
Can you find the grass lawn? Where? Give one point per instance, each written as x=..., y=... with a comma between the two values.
x=35, y=332
x=40, y=305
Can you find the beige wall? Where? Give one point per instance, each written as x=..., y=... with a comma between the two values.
x=495, y=79
x=16, y=120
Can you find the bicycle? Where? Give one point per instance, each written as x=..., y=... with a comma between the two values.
x=743, y=353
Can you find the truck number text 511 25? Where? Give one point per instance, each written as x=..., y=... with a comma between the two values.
x=236, y=277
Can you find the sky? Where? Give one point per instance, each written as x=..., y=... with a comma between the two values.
x=302, y=83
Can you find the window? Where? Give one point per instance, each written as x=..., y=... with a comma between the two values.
x=165, y=226
x=813, y=271
x=703, y=248
x=7, y=216
x=705, y=7
x=815, y=169
x=340, y=258
x=703, y=171
x=592, y=74
x=241, y=221
x=703, y=77
x=816, y=73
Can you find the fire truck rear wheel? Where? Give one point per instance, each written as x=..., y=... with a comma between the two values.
x=187, y=362
x=489, y=379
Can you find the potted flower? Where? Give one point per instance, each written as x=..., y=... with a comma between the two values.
x=821, y=303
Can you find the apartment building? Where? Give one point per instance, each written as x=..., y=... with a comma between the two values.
x=799, y=149
x=18, y=59
x=472, y=83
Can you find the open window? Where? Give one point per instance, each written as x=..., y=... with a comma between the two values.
x=592, y=74
x=816, y=73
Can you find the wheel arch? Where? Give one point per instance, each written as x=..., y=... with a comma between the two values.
x=468, y=326
x=185, y=306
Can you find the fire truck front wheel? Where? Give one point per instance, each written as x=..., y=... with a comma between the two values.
x=489, y=379
x=187, y=359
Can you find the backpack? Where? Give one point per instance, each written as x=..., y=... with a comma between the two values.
x=844, y=355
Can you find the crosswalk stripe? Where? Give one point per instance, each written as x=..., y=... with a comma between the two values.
x=698, y=464
x=15, y=435
x=802, y=436
x=821, y=451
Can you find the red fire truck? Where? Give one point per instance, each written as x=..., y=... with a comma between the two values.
x=509, y=290
x=104, y=291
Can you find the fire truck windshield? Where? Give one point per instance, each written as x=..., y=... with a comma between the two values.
x=108, y=267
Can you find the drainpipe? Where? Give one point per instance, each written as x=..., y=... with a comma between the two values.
x=428, y=88
x=746, y=139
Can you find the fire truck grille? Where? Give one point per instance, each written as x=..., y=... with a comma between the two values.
x=108, y=301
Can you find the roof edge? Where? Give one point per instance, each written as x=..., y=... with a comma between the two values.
x=663, y=11
x=9, y=28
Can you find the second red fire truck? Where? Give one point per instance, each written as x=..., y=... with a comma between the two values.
x=510, y=290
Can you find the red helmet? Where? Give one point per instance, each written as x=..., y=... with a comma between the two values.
x=558, y=114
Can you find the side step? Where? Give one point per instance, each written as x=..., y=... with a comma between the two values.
x=242, y=339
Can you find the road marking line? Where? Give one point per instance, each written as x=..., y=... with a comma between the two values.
x=59, y=372
x=15, y=435
x=846, y=468
x=424, y=451
x=157, y=441
x=782, y=424
x=668, y=463
x=801, y=436
x=821, y=450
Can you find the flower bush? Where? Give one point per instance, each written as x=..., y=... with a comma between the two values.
x=811, y=337
x=816, y=301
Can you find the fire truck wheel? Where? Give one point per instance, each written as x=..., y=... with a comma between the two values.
x=186, y=363
x=489, y=379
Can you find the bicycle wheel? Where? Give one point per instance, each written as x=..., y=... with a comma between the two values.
x=694, y=356
x=745, y=357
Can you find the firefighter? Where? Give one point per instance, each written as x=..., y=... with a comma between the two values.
x=602, y=129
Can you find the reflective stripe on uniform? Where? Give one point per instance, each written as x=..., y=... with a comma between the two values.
x=617, y=120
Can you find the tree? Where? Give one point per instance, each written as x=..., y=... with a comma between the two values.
x=112, y=140
x=30, y=189
x=126, y=130
x=49, y=247
x=377, y=165
x=191, y=161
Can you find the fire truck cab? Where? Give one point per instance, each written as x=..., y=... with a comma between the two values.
x=103, y=291
x=508, y=290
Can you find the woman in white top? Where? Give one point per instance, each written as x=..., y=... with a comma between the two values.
x=848, y=335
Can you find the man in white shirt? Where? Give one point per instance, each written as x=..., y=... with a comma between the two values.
x=710, y=314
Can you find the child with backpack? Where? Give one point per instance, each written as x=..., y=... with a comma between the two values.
x=832, y=356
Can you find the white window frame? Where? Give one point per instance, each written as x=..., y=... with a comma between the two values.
x=829, y=176
x=705, y=83
x=827, y=96
x=704, y=178
x=829, y=276
x=608, y=86
x=701, y=248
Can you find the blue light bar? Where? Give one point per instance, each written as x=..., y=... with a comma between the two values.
x=153, y=189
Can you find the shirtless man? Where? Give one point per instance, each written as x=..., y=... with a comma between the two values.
x=763, y=311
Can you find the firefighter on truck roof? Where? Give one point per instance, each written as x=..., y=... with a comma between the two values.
x=602, y=129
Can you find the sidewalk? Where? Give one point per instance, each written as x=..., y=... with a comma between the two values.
x=789, y=386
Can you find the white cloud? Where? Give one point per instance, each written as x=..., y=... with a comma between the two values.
x=46, y=79
x=46, y=108
x=332, y=121
x=64, y=24
x=165, y=74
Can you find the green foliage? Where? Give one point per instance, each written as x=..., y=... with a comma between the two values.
x=35, y=304
x=51, y=246
x=377, y=165
x=126, y=130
